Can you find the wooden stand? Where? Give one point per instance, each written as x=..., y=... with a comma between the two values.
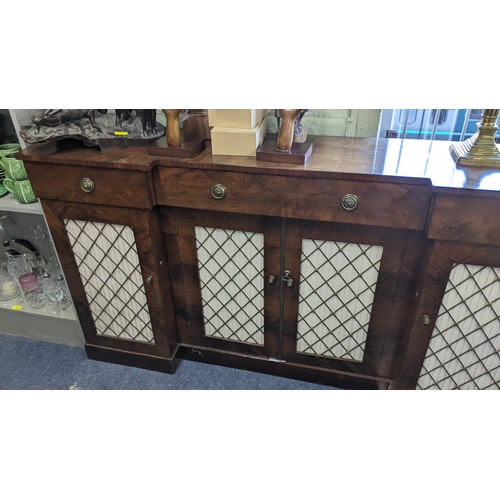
x=194, y=133
x=300, y=153
x=185, y=150
x=196, y=127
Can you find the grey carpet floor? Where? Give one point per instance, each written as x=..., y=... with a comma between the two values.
x=27, y=364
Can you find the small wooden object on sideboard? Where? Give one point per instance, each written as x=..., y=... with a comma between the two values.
x=285, y=149
x=186, y=143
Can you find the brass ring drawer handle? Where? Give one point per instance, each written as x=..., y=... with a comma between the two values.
x=349, y=202
x=219, y=192
x=87, y=185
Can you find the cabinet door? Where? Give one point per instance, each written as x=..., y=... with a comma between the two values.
x=118, y=275
x=455, y=328
x=221, y=265
x=350, y=296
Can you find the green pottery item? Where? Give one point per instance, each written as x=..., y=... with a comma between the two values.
x=9, y=149
x=14, y=169
x=22, y=190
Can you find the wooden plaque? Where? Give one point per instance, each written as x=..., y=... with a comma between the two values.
x=189, y=149
x=300, y=153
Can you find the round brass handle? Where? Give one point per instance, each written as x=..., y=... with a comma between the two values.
x=87, y=185
x=349, y=202
x=219, y=192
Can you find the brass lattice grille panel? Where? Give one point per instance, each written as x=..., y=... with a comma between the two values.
x=463, y=350
x=231, y=270
x=108, y=262
x=336, y=292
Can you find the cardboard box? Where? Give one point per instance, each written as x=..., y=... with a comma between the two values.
x=236, y=118
x=238, y=141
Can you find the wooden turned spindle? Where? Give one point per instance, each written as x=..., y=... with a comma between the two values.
x=173, y=128
x=285, y=134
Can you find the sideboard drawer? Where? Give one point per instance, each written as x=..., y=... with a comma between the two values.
x=470, y=219
x=217, y=190
x=101, y=186
x=356, y=202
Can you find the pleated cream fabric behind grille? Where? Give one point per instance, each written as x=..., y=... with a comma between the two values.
x=108, y=263
x=464, y=346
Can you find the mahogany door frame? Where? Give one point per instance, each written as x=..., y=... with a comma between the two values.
x=398, y=270
x=439, y=260
x=178, y=227
x=153, y=262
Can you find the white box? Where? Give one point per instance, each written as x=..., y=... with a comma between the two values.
x=236, y=118
x=238, y=141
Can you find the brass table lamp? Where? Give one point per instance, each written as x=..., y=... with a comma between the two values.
x=479, y=150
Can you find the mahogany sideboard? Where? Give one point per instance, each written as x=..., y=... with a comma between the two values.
x=374, y=266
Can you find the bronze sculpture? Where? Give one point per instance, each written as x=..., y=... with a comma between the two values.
x=95, y=127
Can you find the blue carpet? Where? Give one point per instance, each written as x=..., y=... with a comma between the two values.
x=27, y=364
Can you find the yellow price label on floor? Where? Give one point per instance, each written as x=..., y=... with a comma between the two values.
x=17, y=308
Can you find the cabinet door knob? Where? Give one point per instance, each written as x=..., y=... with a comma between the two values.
x=149, y=279
x=349, y=202
x=219, y=192
x=426, y=319
x=271, y=279
x=87, y=185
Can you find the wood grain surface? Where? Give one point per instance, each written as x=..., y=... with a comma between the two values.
x=112, y=188
x=148, y=242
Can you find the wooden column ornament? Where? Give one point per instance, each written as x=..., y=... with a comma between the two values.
x=283, y=149
x=174, y=144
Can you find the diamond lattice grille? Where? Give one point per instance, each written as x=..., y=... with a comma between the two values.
x=336, y=291
x=108, y=263
x=231, y=270
x=463, y=350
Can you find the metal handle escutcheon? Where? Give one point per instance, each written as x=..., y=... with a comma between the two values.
x=87, y=185
x=349, y=202
x=286, y=278
x=219, y=192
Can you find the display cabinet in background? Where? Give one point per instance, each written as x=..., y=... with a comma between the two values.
x=27, y=231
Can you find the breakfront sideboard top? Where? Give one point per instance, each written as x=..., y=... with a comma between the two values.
x=407, y=161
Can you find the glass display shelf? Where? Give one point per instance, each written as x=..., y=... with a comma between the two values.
x=9, y=203
x=18, y=307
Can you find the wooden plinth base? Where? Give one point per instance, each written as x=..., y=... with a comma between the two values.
x=137, y=360
x=186, y=150
x=340, y=380
x=299, y=154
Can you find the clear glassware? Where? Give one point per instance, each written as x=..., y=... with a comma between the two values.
x=40, y=296
x=43, y=236
x=39, y=299
x=66, y=300
x=9, y=287
x=17, y=265
x=55, y=292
